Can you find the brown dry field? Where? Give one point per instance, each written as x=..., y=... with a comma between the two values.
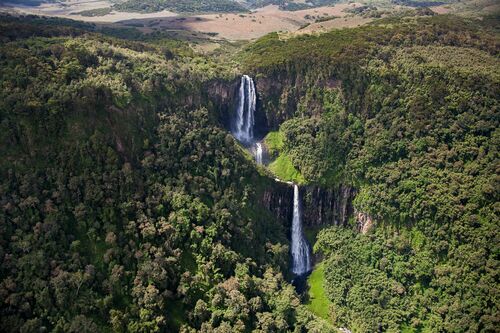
x=239, y=26
x=70, y=7
x=256, y=24
x=338, y=23
x=242, y=26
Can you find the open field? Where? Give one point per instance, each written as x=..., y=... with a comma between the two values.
x=257, y=23
x=237, y=26
x=230, y=26
x=69, y=8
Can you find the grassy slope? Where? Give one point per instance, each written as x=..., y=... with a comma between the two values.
x=318, y=302
x=274, y=142
x=282, y=166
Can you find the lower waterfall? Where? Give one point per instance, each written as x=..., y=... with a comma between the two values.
x=301, y=263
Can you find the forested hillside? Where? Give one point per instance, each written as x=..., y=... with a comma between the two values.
x=126, y=206
x=408, y=114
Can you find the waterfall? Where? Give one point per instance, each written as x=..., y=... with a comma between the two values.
x=245, y=113
x=244, y=122
x=300, y=249
x=258, y=153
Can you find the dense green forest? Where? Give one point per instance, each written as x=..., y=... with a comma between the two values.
x=126, y=206
x=408, y=114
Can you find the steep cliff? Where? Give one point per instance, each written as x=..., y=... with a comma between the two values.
x=223, y=94
x=223, y=98
x=321, y=207
x=278, y=199
x=283, y=95
x=327, y=206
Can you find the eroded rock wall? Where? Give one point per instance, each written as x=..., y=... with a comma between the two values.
x=320, y=207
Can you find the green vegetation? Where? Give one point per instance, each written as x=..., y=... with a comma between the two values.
x=281, y=166
x=408, y=114
x=274, y=142
x=283, y=4
x=318, y=303
x=326, y=18
x=365, y=279
x=181, y=6
x=292, y=5
x=126, y=207
x=311, y=233
x=423, y=3
x=95, y=12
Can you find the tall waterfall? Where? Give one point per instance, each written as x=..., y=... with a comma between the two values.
x=300, y=249
x=245, y=114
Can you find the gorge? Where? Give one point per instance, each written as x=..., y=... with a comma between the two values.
x=348, y=182
x=243, y=129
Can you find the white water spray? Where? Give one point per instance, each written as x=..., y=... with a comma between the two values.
x=258, y=153
x=300, y=249
x=245, y=113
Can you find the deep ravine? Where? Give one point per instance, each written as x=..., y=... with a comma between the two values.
x=243, y=130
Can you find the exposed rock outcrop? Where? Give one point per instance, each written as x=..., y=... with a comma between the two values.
x=277, y=97
x=364, y=222
x=223, y=98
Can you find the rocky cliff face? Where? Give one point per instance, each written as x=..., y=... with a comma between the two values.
x=320, y=207
x=277, y=98
x=279, y=201
x=280, y=94
x=364, y=222
x=223, y=97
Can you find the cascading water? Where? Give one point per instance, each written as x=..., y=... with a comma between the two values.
x=243, y=127
x=243, y=130
x=258, y=153
x=245, y=114
x=300, y=249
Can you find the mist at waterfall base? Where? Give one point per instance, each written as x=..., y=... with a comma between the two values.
x=243, y=130
x=257, y=151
